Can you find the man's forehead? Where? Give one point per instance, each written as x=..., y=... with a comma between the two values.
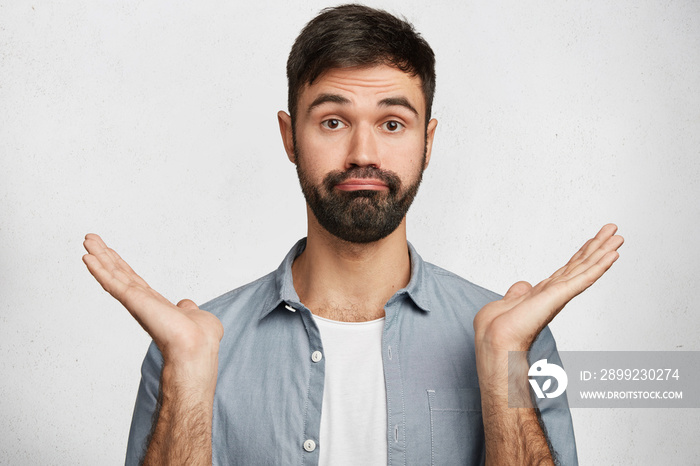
x=372, y=83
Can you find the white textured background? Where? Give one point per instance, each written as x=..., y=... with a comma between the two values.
x=153, y=124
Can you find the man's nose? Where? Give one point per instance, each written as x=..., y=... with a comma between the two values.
x=363, y=150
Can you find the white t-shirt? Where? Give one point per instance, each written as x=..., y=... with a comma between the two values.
x=353, y=417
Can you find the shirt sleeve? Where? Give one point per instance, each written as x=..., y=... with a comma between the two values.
x=555, y=412
x=146, y=401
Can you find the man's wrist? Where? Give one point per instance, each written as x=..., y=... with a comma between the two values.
x=190, y=383
x=500, y=370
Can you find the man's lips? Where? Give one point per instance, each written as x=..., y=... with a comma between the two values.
x=356, y=184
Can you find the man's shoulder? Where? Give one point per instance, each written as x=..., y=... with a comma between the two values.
x=251, y=296
x=447, y=283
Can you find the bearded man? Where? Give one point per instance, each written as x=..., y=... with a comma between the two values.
x=355, y=350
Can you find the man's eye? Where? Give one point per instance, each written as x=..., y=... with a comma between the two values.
x=392, y=126
x=333, y=123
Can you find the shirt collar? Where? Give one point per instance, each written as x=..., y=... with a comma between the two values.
x=417, y=285
x=285, y=294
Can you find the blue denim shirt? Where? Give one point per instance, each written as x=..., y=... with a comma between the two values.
x=267, y=407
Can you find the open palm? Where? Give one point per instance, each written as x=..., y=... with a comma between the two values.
x=512, y=323
x=181, y=331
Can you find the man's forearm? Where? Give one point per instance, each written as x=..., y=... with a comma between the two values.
x=182, y=430
x=513, y=435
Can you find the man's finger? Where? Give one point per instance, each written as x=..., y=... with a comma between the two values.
x=126, y=268
x=98, y=250
x=97, y=238
x=600, y=238
x=187, y=304
x=517, y=290
x=579, y=282
x=103, y=276
x=111, y=260
x=573, y=259
x=587, y=249
x=612, y=244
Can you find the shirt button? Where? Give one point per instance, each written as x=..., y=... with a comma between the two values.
x=309, y=445
x=316, y=356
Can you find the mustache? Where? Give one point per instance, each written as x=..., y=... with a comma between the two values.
x=388, y=177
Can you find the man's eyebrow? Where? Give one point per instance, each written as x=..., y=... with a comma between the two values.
x=339, y=99
x=401, y=101
x=324, y=98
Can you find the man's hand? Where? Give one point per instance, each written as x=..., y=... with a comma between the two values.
x=188, y=338
x=512, y=324
x=183, y=332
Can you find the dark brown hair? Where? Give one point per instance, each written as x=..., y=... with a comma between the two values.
x=357, y=35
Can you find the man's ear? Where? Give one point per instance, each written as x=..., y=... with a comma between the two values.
x=287, y=133
x=429, y=135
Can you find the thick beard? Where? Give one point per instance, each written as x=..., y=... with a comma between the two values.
x=362, y=216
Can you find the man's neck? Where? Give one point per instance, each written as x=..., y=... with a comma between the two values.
x=350, y=282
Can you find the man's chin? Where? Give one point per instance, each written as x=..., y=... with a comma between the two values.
x=360, y=194
x=363, y=224
x=360, y=236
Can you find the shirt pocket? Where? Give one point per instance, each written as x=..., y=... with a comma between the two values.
x=456, y=427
